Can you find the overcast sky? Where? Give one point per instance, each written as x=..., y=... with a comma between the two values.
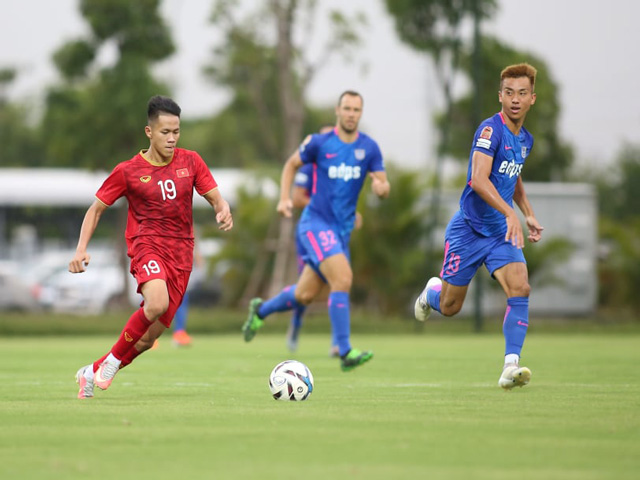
x=591, y=48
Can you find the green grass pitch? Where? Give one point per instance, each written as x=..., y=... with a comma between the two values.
x=424, y=407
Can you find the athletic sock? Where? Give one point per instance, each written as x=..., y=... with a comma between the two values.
x=516, y=322
x=296, y=318
x=285, y=300
x=433, y=297
x=129, y=357
x=131, y=333
x=340, y=316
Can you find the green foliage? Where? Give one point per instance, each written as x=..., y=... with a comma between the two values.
x=618, y=192
x=136, y=27
x=95, y=120
x=268, y=77
x=619, y=269
x=252, y=216
x=73, y=59
x=551, y=157
x=21, y=145
x=388, y=251
x=433, y=25
x=544, y=257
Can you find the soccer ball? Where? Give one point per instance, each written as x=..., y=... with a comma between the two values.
x=291, y=380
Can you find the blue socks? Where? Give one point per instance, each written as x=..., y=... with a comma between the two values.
x=180, y=318
x=516, y=322
x=285, y=300
x=296, y=318
x=433, y=297
x=339, y=313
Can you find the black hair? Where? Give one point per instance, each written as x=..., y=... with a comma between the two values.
x=159, y=104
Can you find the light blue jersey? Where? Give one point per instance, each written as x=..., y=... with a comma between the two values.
x=339, y=172
x=509, y=152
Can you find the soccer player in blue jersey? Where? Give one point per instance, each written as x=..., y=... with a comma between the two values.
x=486, y=229
x=342, y=159
x=300, y=196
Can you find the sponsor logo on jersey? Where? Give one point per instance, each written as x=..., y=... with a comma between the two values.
x=508, y=147
x=510, y=168
x=145, y=179
x=182, y=172
x=524, y=152
x=486, y=133
x=360, y=153
x=345, y=172
x=331, y=155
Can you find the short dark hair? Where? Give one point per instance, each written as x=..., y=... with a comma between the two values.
x=159, y=104
x=351, y=93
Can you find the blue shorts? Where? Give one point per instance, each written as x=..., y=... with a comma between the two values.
x=318, y=241
x=465, y=250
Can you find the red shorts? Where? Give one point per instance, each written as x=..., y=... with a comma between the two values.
x=149, y=267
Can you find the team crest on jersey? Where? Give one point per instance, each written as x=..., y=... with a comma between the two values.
x=359, y=153
x=182, y=172
x=145, y=179
x=486, y=133
x=305, y=142
x=524, y=152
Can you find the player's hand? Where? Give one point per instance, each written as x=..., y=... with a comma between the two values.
x=358, y=222
x=285, y=208
x=224, y=218
x=79, y=262
x=535, y=229
x=514, y=230
x=378, y=186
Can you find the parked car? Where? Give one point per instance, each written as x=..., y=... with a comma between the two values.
x=93, y=291
x=15, y=295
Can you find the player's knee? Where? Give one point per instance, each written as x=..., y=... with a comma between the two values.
x=450, y=308
x=342, y=283
x=154, y=310
x=305, y=297
x=522, y=289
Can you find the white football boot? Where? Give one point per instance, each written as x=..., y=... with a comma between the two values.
x=421, y=309
x=85, y=382
x=513, y=375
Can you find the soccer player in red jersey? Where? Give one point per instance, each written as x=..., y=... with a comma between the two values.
x=158, y=183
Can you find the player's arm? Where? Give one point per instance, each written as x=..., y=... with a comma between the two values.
x=481, y=165
x=221, y=207
x=380, y=184
x=300, y=197
x=291, y=166
x=520, y=197
x=91, y=219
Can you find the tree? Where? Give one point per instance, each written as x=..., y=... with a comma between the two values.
x=20, y=144
x=268, y=68
x=265, y=63
x=95, y=117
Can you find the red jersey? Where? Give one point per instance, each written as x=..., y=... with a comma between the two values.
x=160, y=217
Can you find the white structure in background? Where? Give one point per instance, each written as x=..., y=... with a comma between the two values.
x=565, y=210
x=40, y=276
